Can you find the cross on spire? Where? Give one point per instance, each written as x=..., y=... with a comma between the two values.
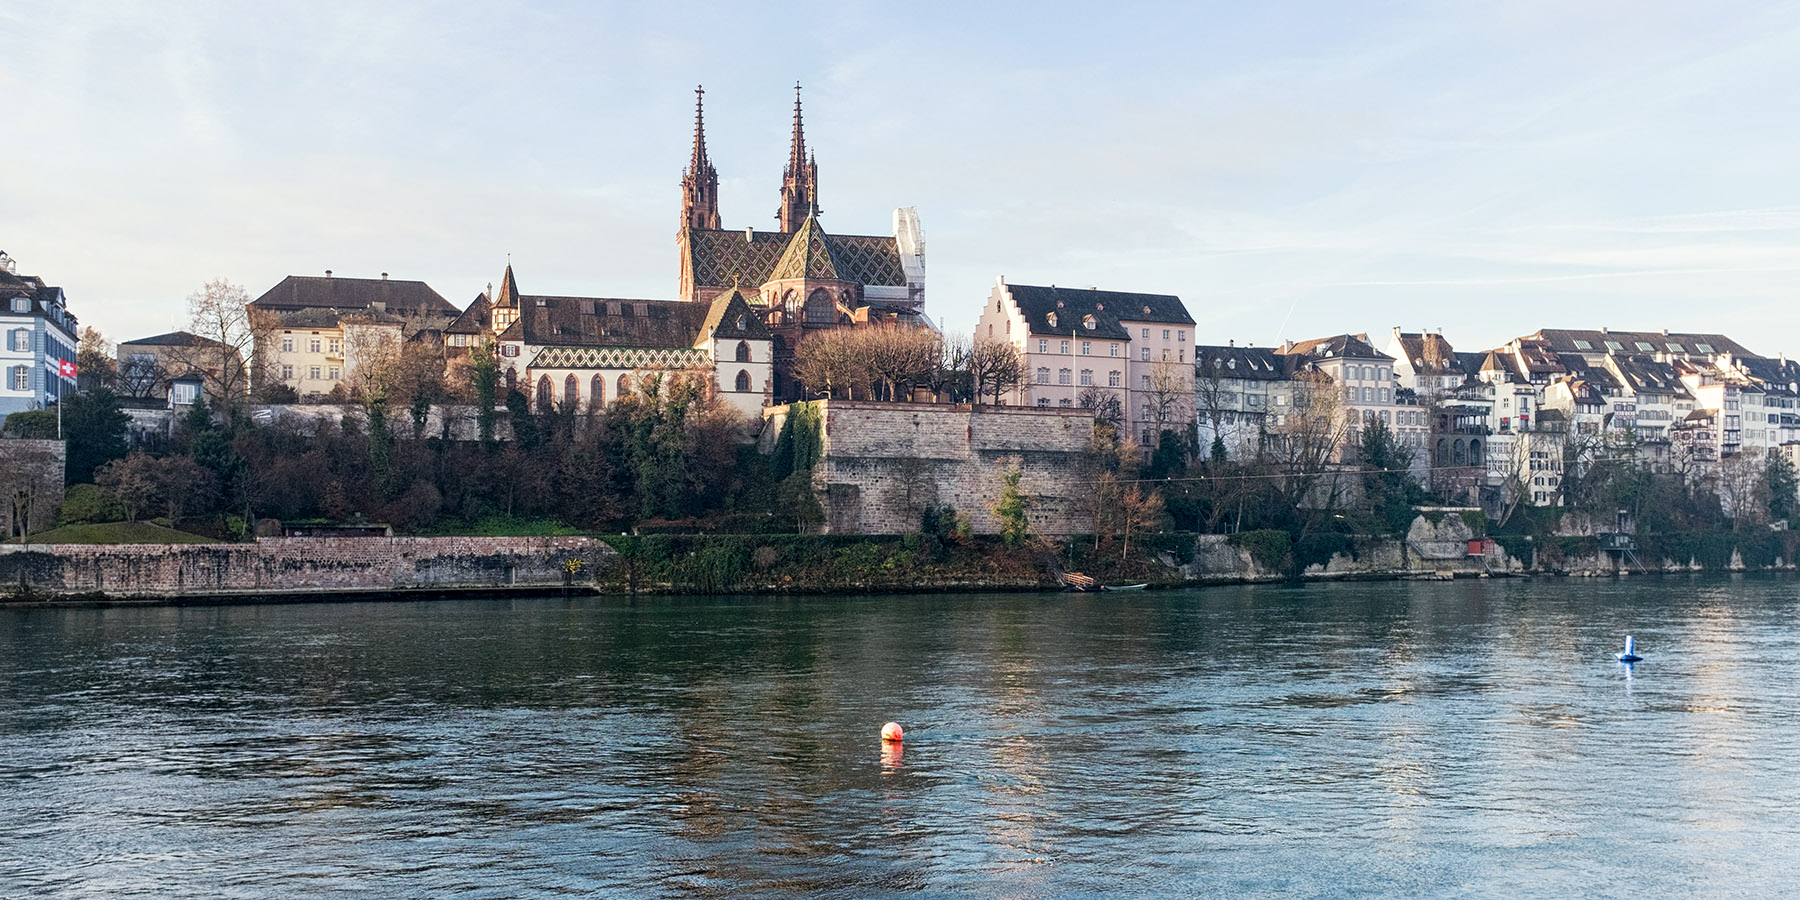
x=799, y=181
x=700, y=183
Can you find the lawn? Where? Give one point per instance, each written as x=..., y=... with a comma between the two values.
x=118, y=533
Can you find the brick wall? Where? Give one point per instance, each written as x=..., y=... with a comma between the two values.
x=884, y=462
x=299, y=565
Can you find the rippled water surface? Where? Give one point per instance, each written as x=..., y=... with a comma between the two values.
x=1469, y=739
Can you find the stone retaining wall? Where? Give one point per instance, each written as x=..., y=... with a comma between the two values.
x=300, y=565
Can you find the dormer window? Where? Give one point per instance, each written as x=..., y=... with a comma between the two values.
x=1583, y=345
x=1087, y=322
x=1051, y=318
x=1703, y=348
x=21, y=304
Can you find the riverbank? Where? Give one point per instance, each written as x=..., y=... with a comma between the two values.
x=307, y=570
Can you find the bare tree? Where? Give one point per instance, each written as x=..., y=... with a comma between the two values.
x=1107, y=406
x=825, y=363
x=235, y=336
x=995, y=367
x=896, y=358
x=1170, y=399
x=31, y=476
x=1308, y=440
x=95, y=359
x=1215, y=395
x=1742, y=490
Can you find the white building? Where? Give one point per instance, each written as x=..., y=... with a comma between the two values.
x=38, y=357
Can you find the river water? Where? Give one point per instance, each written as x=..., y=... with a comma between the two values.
x=1466, y=739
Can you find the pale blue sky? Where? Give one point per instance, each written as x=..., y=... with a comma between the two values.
x=1487, y=168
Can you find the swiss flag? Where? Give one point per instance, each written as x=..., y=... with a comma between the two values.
x=66, y=369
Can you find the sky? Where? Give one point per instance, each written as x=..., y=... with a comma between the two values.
x=1291, y=170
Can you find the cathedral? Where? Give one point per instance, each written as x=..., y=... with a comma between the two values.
x=745, y=299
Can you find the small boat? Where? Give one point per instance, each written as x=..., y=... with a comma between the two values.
x=1124, y=587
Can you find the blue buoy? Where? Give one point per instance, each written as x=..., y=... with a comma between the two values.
x=1630, y=654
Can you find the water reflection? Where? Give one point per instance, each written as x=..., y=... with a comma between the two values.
x=1410, y=740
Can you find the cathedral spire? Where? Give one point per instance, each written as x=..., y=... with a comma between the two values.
x=700, y=183
x=800, y=180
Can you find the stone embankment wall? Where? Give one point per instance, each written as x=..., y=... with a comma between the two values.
x=300, y=566
x=1429, y=550
x=883, y=463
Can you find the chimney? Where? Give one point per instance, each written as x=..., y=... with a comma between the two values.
x=327, y=273
x=384, y=276
x=749, y=234
x=1231, y=343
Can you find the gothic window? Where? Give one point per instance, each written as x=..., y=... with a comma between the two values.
x=571, y=391
x=543, y=393
x=512, y=380
x=624, y=386
x=597, y=388
x=743, y=351
x=743, y=381
x=819, y=308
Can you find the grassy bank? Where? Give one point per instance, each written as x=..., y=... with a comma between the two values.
x=118, y=533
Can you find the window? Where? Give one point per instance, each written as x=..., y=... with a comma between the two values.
x=1368, y=395
x=1614, y=345
x=1181, y=356
x=1146, y=334
x=334, y=346
x=819, y=308
x=1063, y=348
x=1181, y=336
x=624, y=386
x=1144, y=354
x=1043, y=375
x=287, y=373
x=332, y=373
x=1087, y=377
x=1087, y=322
x=1676, y=348
x=1087, y=348
x=1703, y=348
x=1043, y=401
x=1144, y=381
x=287, y=345
x=183, y=393
x=21, y=378
x=1064, y=403
x=544, y=393
x=1350, y=394
x=1165, y=334
x=314, y=373
x=743, y=351
x=1043, y=346
x=21, y=304
x=743, y=381
x=1165, y=354
x=1051, y=318
x=1583, y=345
x=1113, y=349
x=1112, y=378
x=597, y=392
x=459, y=340
x=18, y=340
x=1645, y=346
x=1384, y=395
x=1062, y=376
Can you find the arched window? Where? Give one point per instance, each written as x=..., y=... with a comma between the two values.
x=624, y=386
x=1462, y=452
x=743, y=380
x=598, y=391
x=512, y=381
x=1474, y=453
x=819, y=308
x=1443, y=452
x=743, y=351
x=543, y=393
x=571, y=391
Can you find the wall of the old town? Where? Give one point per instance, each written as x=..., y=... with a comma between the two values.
x=883, y=463
x=299, y=565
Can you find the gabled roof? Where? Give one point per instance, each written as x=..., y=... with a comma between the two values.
x=1502, y=362
x=729, y=316
x=1779, y=376
x=1644, y=374
x=808, y=255
x=402, y=298
x=477, y=319
x=1109, y=309
x=1247, y=363
x=1355, y=346
x=173, y=339
x=719, y=259
x=607, y=322
x=1538, y=359
x=46, y=299
x=1596, y=376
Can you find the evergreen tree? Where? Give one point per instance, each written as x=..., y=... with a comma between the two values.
x=1783, y=485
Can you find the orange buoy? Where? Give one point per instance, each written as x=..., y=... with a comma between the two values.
x=892, y=732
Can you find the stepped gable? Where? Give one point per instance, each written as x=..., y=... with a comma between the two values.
x=1072, y=306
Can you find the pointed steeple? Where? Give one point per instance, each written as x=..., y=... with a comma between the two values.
x=800, y=180
x=700, y=183
x=506, y=305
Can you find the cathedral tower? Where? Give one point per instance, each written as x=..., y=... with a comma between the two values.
x=800, y=181
x=700, y=183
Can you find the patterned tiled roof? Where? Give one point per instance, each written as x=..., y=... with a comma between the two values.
x=719, y=259
x=808, y=255
x=620, y=358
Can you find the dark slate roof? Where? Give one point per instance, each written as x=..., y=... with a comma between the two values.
x=719, y=259
x=1562, y=340
x=1780, y=376
x=477, y=319
x=1597, y=376
x=44, y=298
x=1539, y=359
x=1072, y=306
x=1248, y=363
x=1355, y=346
x=1645, y=374
x=173, y=339
x=312, y=317
x=1500, y=361
x=404, y=298
x=608, y=322
x=1430, y=354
